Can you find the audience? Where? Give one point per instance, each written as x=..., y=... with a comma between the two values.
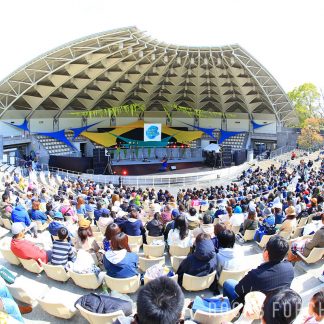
x=228, y=257
x=155, y=227
x=160, y=302
x=281, y=307
x=290, y=223
x=180, y=234
x=119, y=212
x=119, y=261
x=111, y=230
x=62, y=250
x=315, y=309
x=25, y=249
x=133, y=226
x=203, y=260
x=85, y=239
x=275, y=273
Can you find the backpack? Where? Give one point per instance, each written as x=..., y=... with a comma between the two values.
x=102, y=304
x=269, y=229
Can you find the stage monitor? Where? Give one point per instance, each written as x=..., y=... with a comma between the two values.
x=152, y=132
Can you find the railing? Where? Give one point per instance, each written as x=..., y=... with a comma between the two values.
x=168, y=180
x=17, y=137
x=281, y=150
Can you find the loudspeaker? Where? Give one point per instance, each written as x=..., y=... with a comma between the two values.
x=173, y=167
x=99, y=160
x=227, y=156
x=239, y=157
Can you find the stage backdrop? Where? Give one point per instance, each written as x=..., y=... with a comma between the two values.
x=152, y=132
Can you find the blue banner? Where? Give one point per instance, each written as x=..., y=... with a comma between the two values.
x=60, y=136
x=23, y=126
x=78, y=130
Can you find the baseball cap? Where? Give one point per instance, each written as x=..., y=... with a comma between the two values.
x=58, y=214
x=175, y=213
x=17, y=228
x=267, y=211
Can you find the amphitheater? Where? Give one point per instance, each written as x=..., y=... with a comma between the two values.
x=80, y=110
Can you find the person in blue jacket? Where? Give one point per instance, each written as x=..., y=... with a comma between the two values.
x=36, y=214
x=20, y=215
x=133, y=226
x=119, y=261
x=57, y=223
x=202, y=262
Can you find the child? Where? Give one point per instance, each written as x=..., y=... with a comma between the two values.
x=315, y=309
x=62, y=251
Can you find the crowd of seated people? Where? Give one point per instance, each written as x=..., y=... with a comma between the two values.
x=205, y=220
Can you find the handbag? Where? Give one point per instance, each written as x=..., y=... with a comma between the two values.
x=211, y=305
x=103, y=304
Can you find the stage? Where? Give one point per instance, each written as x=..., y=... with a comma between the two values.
x=153, y=168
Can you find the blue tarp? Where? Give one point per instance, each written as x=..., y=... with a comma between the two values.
x=208, y=131
x=225, y=135
x=78, y=130
x=256, y=125
x=23, y=126
x=60, y=136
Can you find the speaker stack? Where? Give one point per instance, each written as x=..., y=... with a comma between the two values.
x=99, y=160
x=227, y=156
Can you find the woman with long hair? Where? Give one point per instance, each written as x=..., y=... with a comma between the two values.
x=119, y=261
x=251, y=223
x=85, y=239
x=111, y=231
x=80, y=206
x=36, y=214
x=180, y=235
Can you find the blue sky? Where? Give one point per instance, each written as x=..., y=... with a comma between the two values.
x=285, y=36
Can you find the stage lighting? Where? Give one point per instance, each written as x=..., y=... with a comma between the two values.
x=124, y=172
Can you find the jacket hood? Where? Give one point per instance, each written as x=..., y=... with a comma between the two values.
x=227, y=253
x=205, y=250
x=115, y=257
x=20, y=208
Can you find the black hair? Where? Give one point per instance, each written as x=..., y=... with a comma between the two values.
x=157, y=216
x=62, y=233
x=207, y=219
x=277, y=248
x=281, y=307
x=160, y=302
x=4, y=197
x=181, y=224
x=226, y=239
x=192, y=211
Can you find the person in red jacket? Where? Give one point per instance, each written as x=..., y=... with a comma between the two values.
x=25, y=249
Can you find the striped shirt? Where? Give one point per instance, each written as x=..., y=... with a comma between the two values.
x=61, y=253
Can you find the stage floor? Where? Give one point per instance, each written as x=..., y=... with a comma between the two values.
x=153, y=167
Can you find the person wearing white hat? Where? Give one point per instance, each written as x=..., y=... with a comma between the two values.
x=25, y=249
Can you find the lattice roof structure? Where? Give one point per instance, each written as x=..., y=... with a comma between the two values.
x=125, y=66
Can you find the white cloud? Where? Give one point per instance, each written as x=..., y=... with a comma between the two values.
x=285, y=36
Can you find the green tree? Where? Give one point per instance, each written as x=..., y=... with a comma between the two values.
x=310, y=136
x=306, y=100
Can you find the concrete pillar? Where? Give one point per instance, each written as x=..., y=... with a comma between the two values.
x=1, y=148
